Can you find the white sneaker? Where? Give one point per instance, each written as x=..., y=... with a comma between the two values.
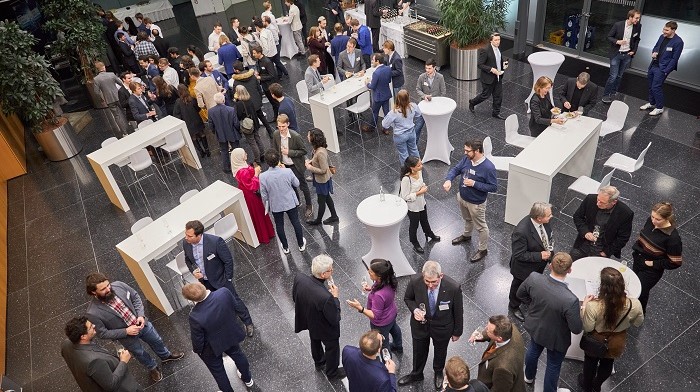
x=249, y=383
x=558, y=389
x=528, y=381
x=303, y=246
x=285, y=251
x=646, y=106
x=656, y=112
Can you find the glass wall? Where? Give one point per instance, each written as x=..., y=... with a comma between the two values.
x=603, y=15
x=688, y=10
x=562, y=22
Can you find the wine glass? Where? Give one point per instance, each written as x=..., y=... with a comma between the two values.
x=362, y=286
x=385, y=354
x=579, y=112
x=330, y=282
x=596, y=233
x=550, y=247
x=421, y=307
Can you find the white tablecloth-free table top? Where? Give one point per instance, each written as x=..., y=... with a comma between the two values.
x=140, y=248
x=155, y=9
x=437, y=114
x=544, y=64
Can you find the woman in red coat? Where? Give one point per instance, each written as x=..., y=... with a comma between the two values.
x=247, y=177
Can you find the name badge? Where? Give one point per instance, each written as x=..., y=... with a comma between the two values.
x=444, y=305
x=669, y=49
x=128, y=295
x=471, y=171
x=425, y=83
x=262, y=67
x=211, y=256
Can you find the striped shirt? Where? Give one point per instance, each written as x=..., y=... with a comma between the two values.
x=662, y=246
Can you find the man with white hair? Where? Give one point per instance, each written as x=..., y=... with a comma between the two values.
x=224, y=122
x=436, y=303
x=317, y=309
x=604, y=225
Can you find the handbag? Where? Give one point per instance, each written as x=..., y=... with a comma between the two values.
x=247, y=125
x=593, y=346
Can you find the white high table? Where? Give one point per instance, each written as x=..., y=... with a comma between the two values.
x=588, y=269
x=383, y=222
x=128, y=145
x=288, y=48
x=437, y=114
x=544, y=64
x=140, y=248
x=569, y=149
x=155, y=9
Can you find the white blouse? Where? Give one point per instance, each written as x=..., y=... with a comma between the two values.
x=409, y=187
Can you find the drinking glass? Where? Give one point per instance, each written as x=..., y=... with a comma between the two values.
x=478, y=334
x=596, y=233
x=330, y=282
x=422, y=309
x=362, y=286
x=550, y=247
x=579, y=112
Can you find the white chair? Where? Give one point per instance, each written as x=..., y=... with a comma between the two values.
x=188, y=194
x=360, y=106
x=585, y=185
x=512, y=136
x=627, y=164
x=209, y=55
x=617, y=114
x=144, y=123
x=179, y=267
x=173, y=143
x=303, y=92
x=501, y=163
x=139, y=161
x=226, y=228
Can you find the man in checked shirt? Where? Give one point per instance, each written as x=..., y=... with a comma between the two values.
x=116, y=310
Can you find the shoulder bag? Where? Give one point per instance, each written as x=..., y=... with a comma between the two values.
x=247, y=125
x=597, y=344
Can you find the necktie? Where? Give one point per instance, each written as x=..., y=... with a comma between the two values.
x=543, y=236
x=432, y=298
x=489, y=351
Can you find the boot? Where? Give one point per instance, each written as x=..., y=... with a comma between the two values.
x=198, y=147
x=205, y=146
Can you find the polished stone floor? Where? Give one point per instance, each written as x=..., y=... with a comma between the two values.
x=62, y=227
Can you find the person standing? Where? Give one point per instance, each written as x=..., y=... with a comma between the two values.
x=228, y=55
x=317, y=46
x=531, y=242
x=664, y=60
x=365, y=370
x=166, y=96
x=286, y=105
x=170, y=75
x=215, y=331
x=395, y=62
x=442, y=320
x=211, y=262
x=541, y=115
x=290, y=146
x=579, y=92
x=553, y=315
x=94, y=368
x=296, y=25
x=364, y=40
x=266, y=74
x=187, y=110
x=247, y=177
x=401, y=119
x=106, y=86
x=339, y=42
x=478, y=176
x=430, y=84
x=457, y=377
x=205, y=88
x=381, y=91
x=128, y=54
x=320, y=165
x=246, y=115
x=335, y=11
x=492, y=66
x=268, y=43
x=624, y=39
x=374, y=21
x=223, y=120
x=607, y=316
x=658, y=248
x=117, y=312
x=317, y=310
x=248, y=80
x=413, y=190
x=214, y=44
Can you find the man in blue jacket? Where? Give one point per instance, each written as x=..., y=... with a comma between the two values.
x=478, y=176
x=381, y=91
x=664, y=60
x=224, y=122
x=364, y=368
x=364, y=39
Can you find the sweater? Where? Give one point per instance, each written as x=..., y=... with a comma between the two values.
x=662, y=246
x=484, y=175
x=382, y=304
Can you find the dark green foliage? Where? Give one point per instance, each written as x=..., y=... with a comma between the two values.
x=472, y=21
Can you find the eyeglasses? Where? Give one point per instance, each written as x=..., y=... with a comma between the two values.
x=468, y=151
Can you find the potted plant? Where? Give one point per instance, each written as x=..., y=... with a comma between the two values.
x=28, y=90
x=79, y=36
x=471, y=23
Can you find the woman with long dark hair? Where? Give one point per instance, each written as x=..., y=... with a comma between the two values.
x=607, y=316
x=658, y=248
x=413, y=190
x=166, y=95
x=187, y=110
x=317, y=45
x=319, y=165
x=381, y=307
x=131, y=26
x=401, y=120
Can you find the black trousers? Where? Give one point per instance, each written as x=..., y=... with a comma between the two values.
x=260, y=116
x=302, y=185
x=215, y=364
x=495, y=89
x=414, y=218
x=226, y=148
x=240, y=308
x=375, y=42
x=281, y=69
x=648, y=277
x=513, y=301
x=330, y=357
x=273, y=102
x=420, y=354
x=323, y=201
x=595, y=372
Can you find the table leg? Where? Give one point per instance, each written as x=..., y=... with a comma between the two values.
x=523, y=191
x=189, y=156
x=324, y=119
x=245, y=224
x=437, y=146
x=386, y=245
x=148, y=283
x=110, y=185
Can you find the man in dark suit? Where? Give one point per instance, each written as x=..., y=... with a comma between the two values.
x=501, y=366
x=128, y=55
x=579, y=92
x=395, y=62
x=442, y=320
x=94, y=368
x=124, y=93
x=117, y=312
x=374, y=21
x=553, y=315
x=492, y=66
x=530, y=244
x=664, y=60
x=624, y=39
x=214, y=331
x=364, y=367
x=381, y=93
x=604, y=225
x=317, y=309
x=224, y=122
x=106, y=85
x=211, y=261
x=160, y=43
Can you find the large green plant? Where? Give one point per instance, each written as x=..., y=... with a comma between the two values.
x=79, y=32
x=472, y=21
x=26, y=85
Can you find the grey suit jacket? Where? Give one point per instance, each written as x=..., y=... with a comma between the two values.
x=277, y=189
x=108, y=324
x=344, y=63
x=437, y=89
x=554, y=312
x=97, y=370
x=313, y=83
x=105, y=86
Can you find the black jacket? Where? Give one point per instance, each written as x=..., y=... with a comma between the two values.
x=189, y=113
x=315, y=309
x=247, y=79
x=540, y=114
x=485, y=61
x=617, y=32
x=589, y=96
x=267, y=72
x=527, y=246
x=617, y=231
x=445, y=323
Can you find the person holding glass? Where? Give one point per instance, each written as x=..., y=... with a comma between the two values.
x=542, y=112
x=607, y=316
x=657, y=249
x=248, y=180
x=413, y=190
x=401, y=119
x=381, y=307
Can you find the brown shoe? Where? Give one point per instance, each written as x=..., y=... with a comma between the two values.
x=156, y=375
x=386, y=131
x=309, y=212
x=367, y=128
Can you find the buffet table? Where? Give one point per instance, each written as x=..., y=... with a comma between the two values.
x=155, y=9
x=389, y=31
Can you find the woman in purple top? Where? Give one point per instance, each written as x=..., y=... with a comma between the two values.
x=381, y=307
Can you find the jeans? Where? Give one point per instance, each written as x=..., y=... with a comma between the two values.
x=392, y=329
x=376, y=105
x=618, y=66
x=656, y=79
x=406, y=144
x=293, y=215
x=418, y=124
x=149, y=335
x=554, y=361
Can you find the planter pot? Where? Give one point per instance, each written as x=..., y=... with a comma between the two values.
x=59, y=142
x=463, y=63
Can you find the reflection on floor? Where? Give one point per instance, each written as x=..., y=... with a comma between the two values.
x=62, y=226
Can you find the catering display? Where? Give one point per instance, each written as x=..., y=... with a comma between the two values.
x=426, y=40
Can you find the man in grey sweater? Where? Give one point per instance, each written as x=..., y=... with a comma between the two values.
x=430, y=84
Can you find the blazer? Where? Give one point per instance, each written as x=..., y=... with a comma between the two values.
x=315, y=308
x=617, y=231
x=446, y=323
x=297, y=148
x=286, y=106
x=343, y=63
x=277, y=189
x=668, y=58
x=364, y=40
x=319, y=166
x=437, y=89
x=128, y=55
x=617, y=32
x=218, y=260
x=124, y=95
x=106, y=86
x=204, y=90
x=161, y=46
x=338, y=45
x=526, y=246
x=503, y=369
x=554, y=312
x=589, y=95
x=213, y=323
x=364, y=374
x=108, y=324
x=267, y=72
x=396, y=64
x=374, y=16
x=313, y=82
x=189, y=113
x=229, y=54
x=224, y=122
x=139, y=108
x=485, y=61
x=540, y=114
x=97, y=370
x=381, y=77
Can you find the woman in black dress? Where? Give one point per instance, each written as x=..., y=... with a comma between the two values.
x=541, y=107
x=187, y=110
x=166, y=95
